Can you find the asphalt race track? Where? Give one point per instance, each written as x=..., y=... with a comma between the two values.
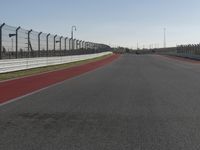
x=138, y=102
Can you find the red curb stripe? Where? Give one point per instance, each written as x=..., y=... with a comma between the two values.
x=19, y=87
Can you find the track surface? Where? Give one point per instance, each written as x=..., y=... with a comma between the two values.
x=136, y=103
x=19, y=87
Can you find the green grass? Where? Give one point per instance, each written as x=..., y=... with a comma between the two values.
x=35, y=71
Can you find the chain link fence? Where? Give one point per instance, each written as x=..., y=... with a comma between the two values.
x=192, y=49
x=16, y=42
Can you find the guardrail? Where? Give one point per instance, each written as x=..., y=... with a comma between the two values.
x=9, y=65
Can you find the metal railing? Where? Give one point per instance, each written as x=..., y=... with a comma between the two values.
x=16, y=42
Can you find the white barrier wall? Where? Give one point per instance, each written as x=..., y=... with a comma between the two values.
x=9, y=65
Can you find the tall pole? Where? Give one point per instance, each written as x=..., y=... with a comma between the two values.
x=16, y=55
x=164, y=37
x=39, y=43
x=1, y=46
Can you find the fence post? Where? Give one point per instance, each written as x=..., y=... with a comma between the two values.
x=29, y=42
x=48, y=44
x=66, y=43
x=16, y=55
x=77, y=44
x=54, y=44
x=66, y=46
x=74, y=44
x=69, y=44
x=61, y=45
x=1, y=46
x=83, y=44
x=39, y=43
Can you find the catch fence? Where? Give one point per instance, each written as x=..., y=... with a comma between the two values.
x=16, y=42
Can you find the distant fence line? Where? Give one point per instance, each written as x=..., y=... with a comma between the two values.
x=193, y=49
x=16, y=42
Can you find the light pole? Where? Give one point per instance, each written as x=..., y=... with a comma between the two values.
x=72, y=36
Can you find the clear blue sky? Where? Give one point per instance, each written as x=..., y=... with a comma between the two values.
x=115, y=22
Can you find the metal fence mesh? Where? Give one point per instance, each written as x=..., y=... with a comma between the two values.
x=189, y=49
x=16, y=42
